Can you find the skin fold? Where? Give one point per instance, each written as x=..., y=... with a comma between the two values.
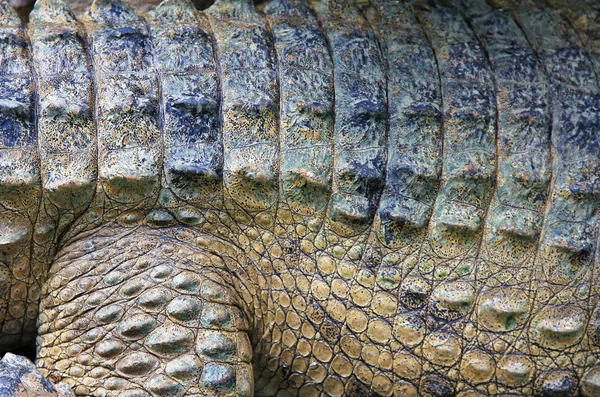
x=323, y=198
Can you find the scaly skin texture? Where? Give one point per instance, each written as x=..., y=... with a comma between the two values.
x=327, y=199
x=20, y=378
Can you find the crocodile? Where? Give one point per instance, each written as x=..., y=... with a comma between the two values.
x=323, y=198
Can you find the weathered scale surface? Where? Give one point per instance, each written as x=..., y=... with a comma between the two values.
x=568, y=249
x=506, y=283
x=440, y=288
x=126, y=107
x=250, y=106
x=67, y=136
x=20, y=185
x=325, y=199
x=360, y=117
x=586, y=22
x=190, y=90
x=306, y=117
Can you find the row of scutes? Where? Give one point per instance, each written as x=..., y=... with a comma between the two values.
x=468, y=145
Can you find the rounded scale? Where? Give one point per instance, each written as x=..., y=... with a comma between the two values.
x=170, y=340
x=136, y=364
x=409, y=329
x=452, y=300
x=558, y=327
x=414, y=292
x=184, y=367
x=590, y=383
x=184, y=309
x=442, y=348
x=436, y=386
x=477, y=367
x=515, y=370
x=136, y=327
x=503, y=309
x=556, y=383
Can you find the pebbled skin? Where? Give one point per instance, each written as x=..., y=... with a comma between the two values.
x=326, y=199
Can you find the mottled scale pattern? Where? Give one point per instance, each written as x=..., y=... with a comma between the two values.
x=250, y=108
x=415, y=127
x=507, y=282
x=21, y=378
x=66, y=129
x=187, y=70
x=161, y=317
x=567, y=252
x=303, y=198
x=126, y=105
x=20, y=182
x=361, y=113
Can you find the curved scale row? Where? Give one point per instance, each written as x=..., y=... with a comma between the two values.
x=565, y=268
x=447, y=261
x=506, y=279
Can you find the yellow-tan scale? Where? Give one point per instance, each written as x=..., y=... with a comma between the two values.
x=313, y=200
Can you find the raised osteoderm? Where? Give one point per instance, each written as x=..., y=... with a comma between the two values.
x=376, y=199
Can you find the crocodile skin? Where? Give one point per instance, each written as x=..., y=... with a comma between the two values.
x=20, y=378
x=381, y=198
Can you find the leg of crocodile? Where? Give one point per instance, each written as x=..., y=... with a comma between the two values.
x=139, y=312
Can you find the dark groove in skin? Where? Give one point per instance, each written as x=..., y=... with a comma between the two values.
x=551, y=185
x=216, y=59
x=415, y=14
x=277, y=70
x=87, y=45
x=36, y=100
x=161, y=109
x=334, y=114
x=386, y=76
x=484, y=221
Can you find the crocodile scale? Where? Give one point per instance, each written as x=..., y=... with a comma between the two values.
x=323, y=198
